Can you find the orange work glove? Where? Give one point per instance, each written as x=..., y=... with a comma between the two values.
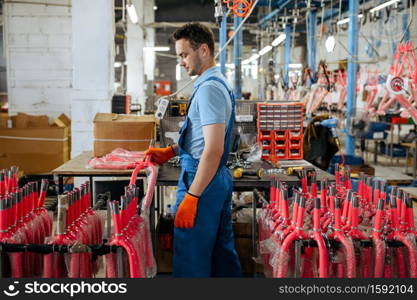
x=186, y=212
x=160, y=155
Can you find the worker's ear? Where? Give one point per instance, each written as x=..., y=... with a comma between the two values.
x=205, y=51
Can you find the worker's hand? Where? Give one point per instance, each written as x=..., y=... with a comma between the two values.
x=186, y=212
x=160, y=155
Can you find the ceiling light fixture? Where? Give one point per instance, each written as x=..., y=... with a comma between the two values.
x=278, y=40
x=178, y=72
x=265, y=50
x=330, y=43
x=131, y=10
x=383, y=5
x=157, y=48
x=250, y=59
x=341, y=22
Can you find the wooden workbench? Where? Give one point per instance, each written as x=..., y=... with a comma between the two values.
x=77, y=167
x=413, y=147
x=168, y=175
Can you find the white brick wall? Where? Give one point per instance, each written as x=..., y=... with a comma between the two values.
x=38, y=49
x=93, y=67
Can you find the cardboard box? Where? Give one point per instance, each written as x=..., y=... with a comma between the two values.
x=129, y=132
x=3, y=120
x=34, y=150
x=62, y=121
x=23, y=120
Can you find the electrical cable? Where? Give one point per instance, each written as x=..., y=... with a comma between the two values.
x=220, y=51
x=409, y=23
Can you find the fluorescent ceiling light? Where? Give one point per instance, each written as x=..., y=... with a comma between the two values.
x=178, y=72
x=250, y=59
x=254, y=57
x=330, y=43
x=230, y=66
x=295, y=66
x=341, y=22
x=156, y=48
x=265, y=50
x=131, y=10
x=383, y=5
x=278, y=40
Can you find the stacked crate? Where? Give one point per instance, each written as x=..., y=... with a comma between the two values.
x=280, y=130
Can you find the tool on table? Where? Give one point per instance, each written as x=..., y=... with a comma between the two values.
x=274, y=171
x=239, y=173
x=298, y=171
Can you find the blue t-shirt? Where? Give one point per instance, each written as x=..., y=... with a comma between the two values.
x=211, y=105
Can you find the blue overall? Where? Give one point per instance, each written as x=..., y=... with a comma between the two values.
x=207, y=249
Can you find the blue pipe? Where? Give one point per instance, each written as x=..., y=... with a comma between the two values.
x=352, y=72
x=237, y=51
x=335, y=11
x=405, y=24
x=281, y=5
x=312, y=44
x=276, y=4
x=287, y=59
x=222, y=40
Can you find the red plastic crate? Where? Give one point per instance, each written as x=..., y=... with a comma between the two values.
x=296, y=153
x=282, y=125
x=399, y=120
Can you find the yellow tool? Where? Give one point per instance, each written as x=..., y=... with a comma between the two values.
x=182, y=108
x=298, y=171
x=239, y=173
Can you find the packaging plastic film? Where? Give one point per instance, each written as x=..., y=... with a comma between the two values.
x=379, y=251
x=279, y=262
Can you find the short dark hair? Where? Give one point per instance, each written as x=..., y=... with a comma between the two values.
x=196, y=34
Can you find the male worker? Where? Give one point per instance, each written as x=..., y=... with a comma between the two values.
x=203, y=237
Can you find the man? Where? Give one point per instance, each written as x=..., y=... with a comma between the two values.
x=203, y=237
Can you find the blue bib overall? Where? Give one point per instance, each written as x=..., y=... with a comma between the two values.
x=207, y=249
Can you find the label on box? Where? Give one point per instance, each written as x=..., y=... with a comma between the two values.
x=378, y=135
x=244, y=118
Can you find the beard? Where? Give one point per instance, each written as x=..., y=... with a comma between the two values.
x=197, y=67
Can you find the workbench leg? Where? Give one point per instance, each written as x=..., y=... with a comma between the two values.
x=60, y=185
x=1, y=262
x=415, y=159
x=407, y=155
x=93, y=200
x=254, y=231
x=152, y=226
x=392, y=144
x=160, y=207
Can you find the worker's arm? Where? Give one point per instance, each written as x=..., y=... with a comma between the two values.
x=210, y=158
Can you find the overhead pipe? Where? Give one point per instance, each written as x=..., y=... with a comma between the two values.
x=237, y=50
x=312, y=42
x=353, y=41
x=281, y=5
x=222, y=40
x=287, y=59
